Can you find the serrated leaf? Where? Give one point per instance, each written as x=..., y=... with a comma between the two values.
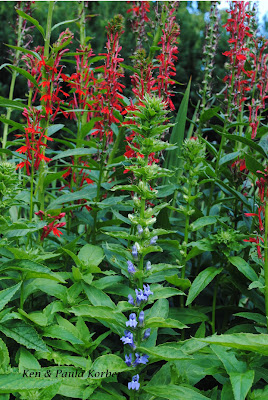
x=241, y=383
x=32, y=20
x=7, y=294
x=23, y=334
x=158, y=322
x=203, y=221
x=174, y=392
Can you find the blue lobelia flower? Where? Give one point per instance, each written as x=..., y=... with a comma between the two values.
x=146, y=290
x=140, y=359
x=141, y=318
x=147, y=333
x=130, y=300
x=128, y=359
x=132, y=321
x=130, y=267
x=140, y=296
x=148, y=266
x=153, y=240
x=134, y=384
x=140, y=230
x=128, y=339
x=135, y=251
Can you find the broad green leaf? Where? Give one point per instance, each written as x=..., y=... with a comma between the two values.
x=241, y=383
x=110, y=363
x=31, y=269
x=190, y=316
x=100, y=313
x=183, y=284
x=174, y=392
x=97, y=297
x=245, y=341
x=74, y=152
x=32, y=21
x=158, y=322
x=229, y=360
x=165, y=352
x=87, y=193
x=91, y=255
x=253, y=165
x=173, y=159
x=160, y=292
x=27, y=360
x=15, y=382
x=23, y=50
x=7, y=294
x=4, y=357
x=201, y=281
x=227, y=393
x=23, y=334
x=244, y=267
x=260, y=319
x=56, y=332
x=15, y=125
x=53, y=129
x=203, y=221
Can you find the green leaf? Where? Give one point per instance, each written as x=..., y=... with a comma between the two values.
x=23, y=334
x=87, y=193
x=183, y=284
x=100, y=313
x=201, y=281
x=259, y=394
x=7, y=294
x=260, y=319
x=14, y=382
x=158, y=322
x=173, y=159
x=174, y=392
x=63, y=23
x=244, y=267
x=111, y=363
x=244, y=341
x=27, y=360
x=91, y=255
x=190, y=316
x=12, y=104
x=31, y=269
x=203, y=221
x=165, y=352
x=208, y=114
x=253, y=165
x=248, y=142
x=32, y=20
x=74, y=152
x=58, y=332
x=229, y=157
x=241, y=383
x=229, y=360
x=97, y=297
x=24, y=73
x=4, y=357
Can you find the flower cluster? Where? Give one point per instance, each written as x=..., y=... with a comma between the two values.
x=34, y=140
x=140, y=18
x=262, y=184
x=259, y=83
x=108, y=96
x=148, y=121
x=238, y=25
x=53, y=225
x=166, y=58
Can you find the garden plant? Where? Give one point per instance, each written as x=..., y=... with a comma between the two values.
x=133, y=207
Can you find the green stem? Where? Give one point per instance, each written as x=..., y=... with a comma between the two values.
x=266, y=260
x=40, y=186
x=214, y=301
x=22, y=295
x=12, y=84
